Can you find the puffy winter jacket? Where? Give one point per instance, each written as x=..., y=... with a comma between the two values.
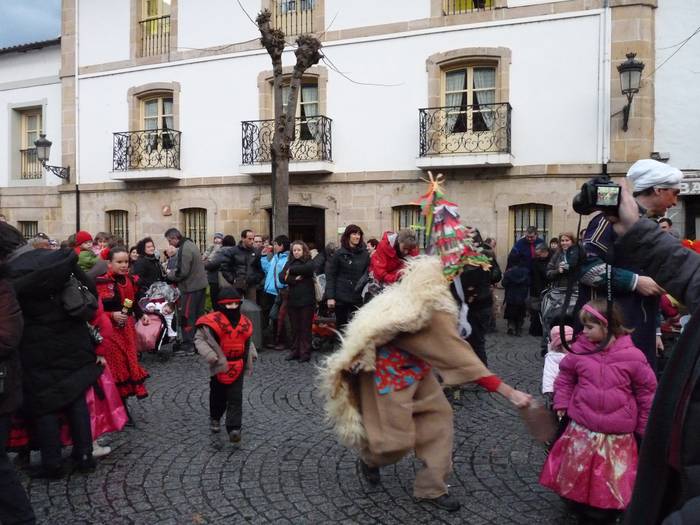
x=300, y=279
x=607, y=391
x=11, y=325
x=272, y=269
x=344, y=272
x=386, y=264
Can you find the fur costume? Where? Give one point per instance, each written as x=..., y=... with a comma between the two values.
x=401, y=311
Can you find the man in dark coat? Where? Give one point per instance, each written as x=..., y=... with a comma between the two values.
x=14, y=504
x=668, y=476
x=526, y=246
x=240, y=265
x=58, y=359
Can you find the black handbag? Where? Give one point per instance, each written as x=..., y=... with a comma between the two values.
x=77, y=300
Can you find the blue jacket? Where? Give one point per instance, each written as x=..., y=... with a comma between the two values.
x=272, y=269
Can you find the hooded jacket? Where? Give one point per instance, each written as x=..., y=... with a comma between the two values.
x=386, y=264
x=272, y=269
x=608, y=391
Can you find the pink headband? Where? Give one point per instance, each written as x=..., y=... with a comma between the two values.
x=595, y=313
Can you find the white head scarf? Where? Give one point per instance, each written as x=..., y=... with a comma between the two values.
x=648, y=173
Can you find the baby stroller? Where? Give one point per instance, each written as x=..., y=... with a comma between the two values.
x=159, y=335
x=323, y=336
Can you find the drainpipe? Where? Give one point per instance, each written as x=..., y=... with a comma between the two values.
x=77, y=119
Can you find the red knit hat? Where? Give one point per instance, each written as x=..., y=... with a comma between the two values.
x=81, y=237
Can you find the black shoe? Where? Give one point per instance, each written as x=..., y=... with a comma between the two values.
x=234, y=436
x=444, y=502
x=85, y=464
x=56, y=472
x=510, y=331
x=371, y=474
x=292, y=357
x=215, y=426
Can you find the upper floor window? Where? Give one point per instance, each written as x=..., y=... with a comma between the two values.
x=522, y=216
x=469, y=95
x=307, y=108
x=456, y=7
x=118, y=224
x=157, y=112
x=295, y=17
x=154, y=27
x=31, y=126
x=410, y=217
x=28, y=229
x=194, y=226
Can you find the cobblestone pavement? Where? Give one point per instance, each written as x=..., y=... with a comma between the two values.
x=289, y=467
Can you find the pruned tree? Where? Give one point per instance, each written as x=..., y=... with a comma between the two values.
x=307, y=54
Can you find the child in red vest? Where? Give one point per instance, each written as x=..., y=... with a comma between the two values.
x=222, y=337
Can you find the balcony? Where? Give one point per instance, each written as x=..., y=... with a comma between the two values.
x=465, y=136
x=293, y=17
x=29, y=165
x=310, y=151
x=152, y=154
x=459, y=7
x=155, y=36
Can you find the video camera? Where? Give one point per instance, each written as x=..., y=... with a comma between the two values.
x=598, y=194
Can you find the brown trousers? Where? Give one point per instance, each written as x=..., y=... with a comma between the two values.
x=417, y=418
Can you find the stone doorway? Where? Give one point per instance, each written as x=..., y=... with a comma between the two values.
x=306, y=223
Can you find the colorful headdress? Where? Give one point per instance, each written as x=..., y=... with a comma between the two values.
x=448, y=237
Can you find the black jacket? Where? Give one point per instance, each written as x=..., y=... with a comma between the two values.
x=11, y=325
x=570, y=257
x=238, y=262
x=516, y=283
x=301, y=291
x=669, y=462
x=346, y=268
x=538, y=276
x=56, y=351
x=476, y=284
x=149, y=271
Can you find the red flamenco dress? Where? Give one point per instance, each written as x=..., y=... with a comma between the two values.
x=119, y=345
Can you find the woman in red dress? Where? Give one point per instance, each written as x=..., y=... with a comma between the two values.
x=117, y=290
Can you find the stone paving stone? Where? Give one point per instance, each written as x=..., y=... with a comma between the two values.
x=289, y=467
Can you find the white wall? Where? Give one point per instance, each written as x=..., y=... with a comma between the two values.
x=215, y=23
x=34, y=64
x=677, y=125
x=555, y=111
x=104, y=32
x=360, y=13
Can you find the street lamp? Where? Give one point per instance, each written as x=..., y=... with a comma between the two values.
x=43, y=151
x=630, y=79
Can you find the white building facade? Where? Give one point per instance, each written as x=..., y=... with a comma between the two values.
x=166, y=107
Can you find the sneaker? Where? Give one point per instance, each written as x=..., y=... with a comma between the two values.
x=371, y=474
x=215, y=426
x=234, y=436
x=444, y=502
x=98, y=450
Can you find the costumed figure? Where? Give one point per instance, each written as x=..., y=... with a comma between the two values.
x=382, y=393
x=222, y=337
x=117, y=291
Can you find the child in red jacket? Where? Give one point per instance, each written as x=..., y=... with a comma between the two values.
x=607, y=394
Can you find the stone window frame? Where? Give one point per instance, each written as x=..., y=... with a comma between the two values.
x=29, y=229
x=265, y=95
x=421, y=235
x=319, y=17
x=136, y=95
x=436, y=9
x=438, y=63
x=182, y=219
x=549, y=217
x=135, y=32
x=16, y=111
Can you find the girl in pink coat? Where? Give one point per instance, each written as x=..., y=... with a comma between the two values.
x=607, y=394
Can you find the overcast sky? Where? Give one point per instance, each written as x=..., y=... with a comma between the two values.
x=23, y=21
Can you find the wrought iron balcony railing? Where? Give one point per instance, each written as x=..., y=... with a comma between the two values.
x=146, y=149
x=483, y=128
x=293, y=17
x=29, y=165
x=458, y=7
x=312, y=140
x=155, y=36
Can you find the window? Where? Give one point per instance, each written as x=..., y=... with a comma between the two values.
x=28, y=229
x=118, y=225
x=411, y=217
x=469, y=95
x=456, y=7
x=524, y=215
x=155, y=27
x=153, y=147
x=294, y=17
x=307, y=108
x=30, y=167
x=157, y=112
x=194, y=221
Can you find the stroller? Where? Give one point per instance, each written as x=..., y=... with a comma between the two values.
x=159, y=304
x=323, y=335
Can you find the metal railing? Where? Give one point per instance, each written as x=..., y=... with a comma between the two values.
x=29, y=165
x=155, y=36
x=483, y=128
x=312, y=140
x=146, y=149
x=293, y=17
x=458, y=7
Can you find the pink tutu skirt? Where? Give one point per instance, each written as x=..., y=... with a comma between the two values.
x=592, y=468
